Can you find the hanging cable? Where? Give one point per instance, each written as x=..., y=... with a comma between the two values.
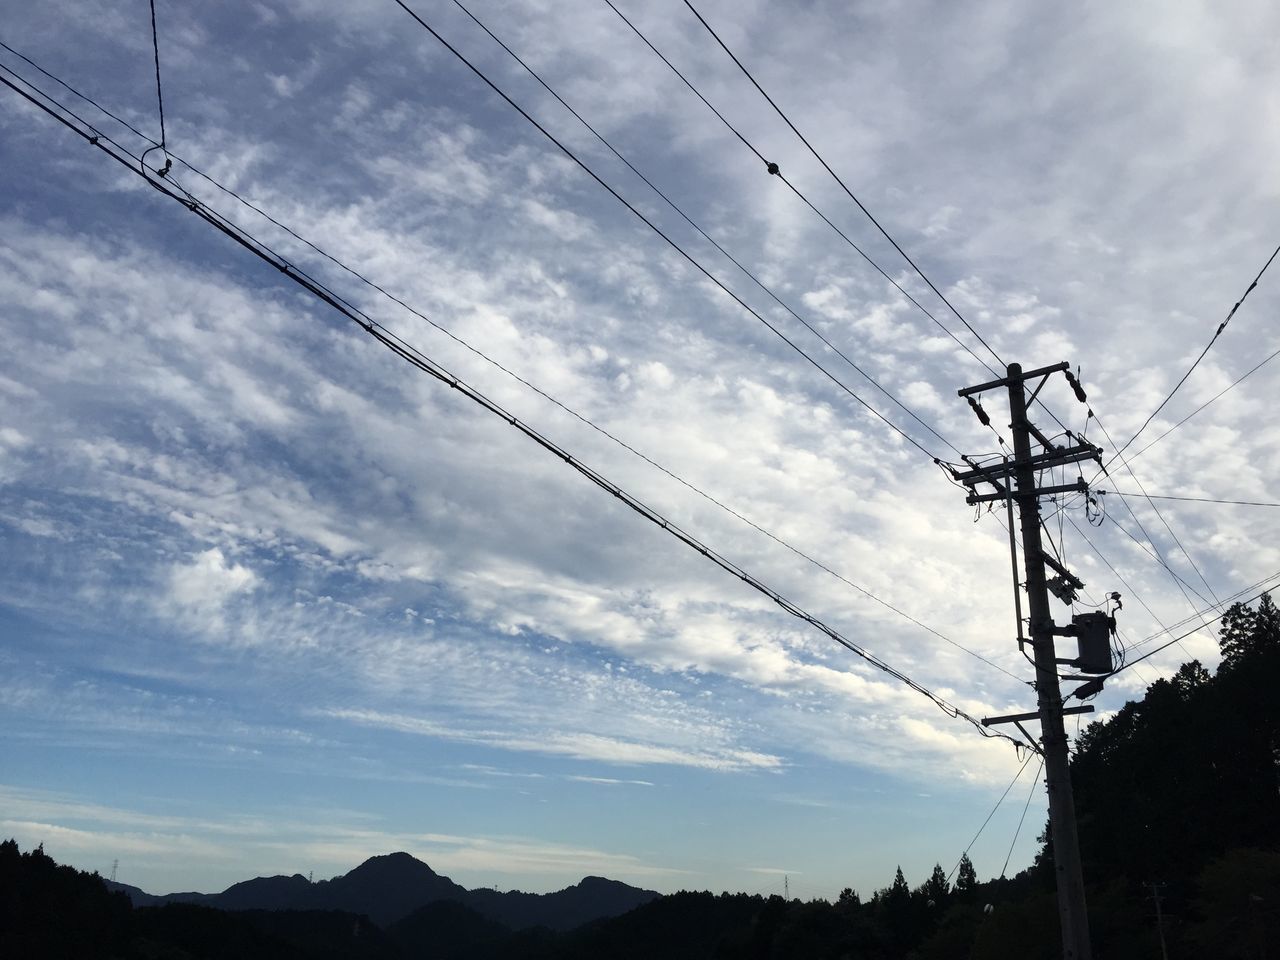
x=425, y=364
x=1151, y=503
x=1199, y=615
x=1156, y=496
x=658, y=230
x=1116, y=573
x=1216, y=333
x=1179, y=639
x=1016, y=777
x=533, y=387
x=706, y=236
x=776, y=171
x=1025, y=806
x=817, y=156
x=155, y=46
x=1234, y=383
x=1151, y=551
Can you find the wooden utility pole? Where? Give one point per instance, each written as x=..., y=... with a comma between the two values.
x=1015, y=480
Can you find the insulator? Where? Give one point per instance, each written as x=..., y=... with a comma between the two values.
x=1075, y=385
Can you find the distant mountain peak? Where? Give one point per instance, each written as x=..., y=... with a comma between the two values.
x=392, y=865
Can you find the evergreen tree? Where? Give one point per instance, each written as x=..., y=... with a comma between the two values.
x=936, y=888
x=967, y=878
x=899, y=892
x=1236, y=633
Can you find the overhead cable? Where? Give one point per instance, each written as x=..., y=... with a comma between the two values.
x=425, y=364
x=1179, y=639
x=1016, y=777
x=773, y=169
x=1199, y=615
x=1025, y=806
x=1216, y=333
x=533, y=387
x=835, y=176
x=1154, y=553
x=1157, y=496
x=706, y=236
x=1116, y=573
x=155, y=46
x=1217, y=396
x=660, y=232
x=1133, y=476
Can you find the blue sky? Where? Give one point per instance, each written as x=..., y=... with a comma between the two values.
x=272, y=602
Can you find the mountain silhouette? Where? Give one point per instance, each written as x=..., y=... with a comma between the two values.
x=389, y=888
x=590, y=899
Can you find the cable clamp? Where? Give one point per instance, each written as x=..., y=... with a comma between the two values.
x=771, y=167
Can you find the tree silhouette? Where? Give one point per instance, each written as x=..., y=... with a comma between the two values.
x=936, y=888
x=966, y=878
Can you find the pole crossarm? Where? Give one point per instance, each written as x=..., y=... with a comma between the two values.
x=1034, y=715
x=1079, y=486
x=1011, y=378
x=1041, y=461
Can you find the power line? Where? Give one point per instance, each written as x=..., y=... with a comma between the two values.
x=87, y=99
x=1217, y=333
x=1154, y=553
x=1200, y=614
x=155, y=46
x=843, y=186
x=1016, y=777
x=1132, y=592
x=606, y=433
x=896, y=246
x=1165, y=646
x=540, y=392
x=658, y=230
x=1156, y=496
x=425, y=364
x=672, y=204
x=1133, y=476
x=1025, y=806
x=776, y=171
x=1212, y=399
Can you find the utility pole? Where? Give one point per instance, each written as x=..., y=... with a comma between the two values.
x=1091, y=630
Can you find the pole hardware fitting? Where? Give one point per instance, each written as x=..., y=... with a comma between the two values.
x=1075, y=385
x=1089, y=689
x=976, y=407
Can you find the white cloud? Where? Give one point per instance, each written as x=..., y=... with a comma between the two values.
x=202, y=588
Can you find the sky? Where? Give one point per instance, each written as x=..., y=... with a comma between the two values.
x=273, y=601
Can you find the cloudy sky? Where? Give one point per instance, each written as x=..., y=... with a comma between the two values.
x=273, y=601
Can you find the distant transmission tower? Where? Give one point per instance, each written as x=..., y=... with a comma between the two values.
x=786, y=887
x=114, y=866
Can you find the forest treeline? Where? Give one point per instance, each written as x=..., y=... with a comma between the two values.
x=1178, y=798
